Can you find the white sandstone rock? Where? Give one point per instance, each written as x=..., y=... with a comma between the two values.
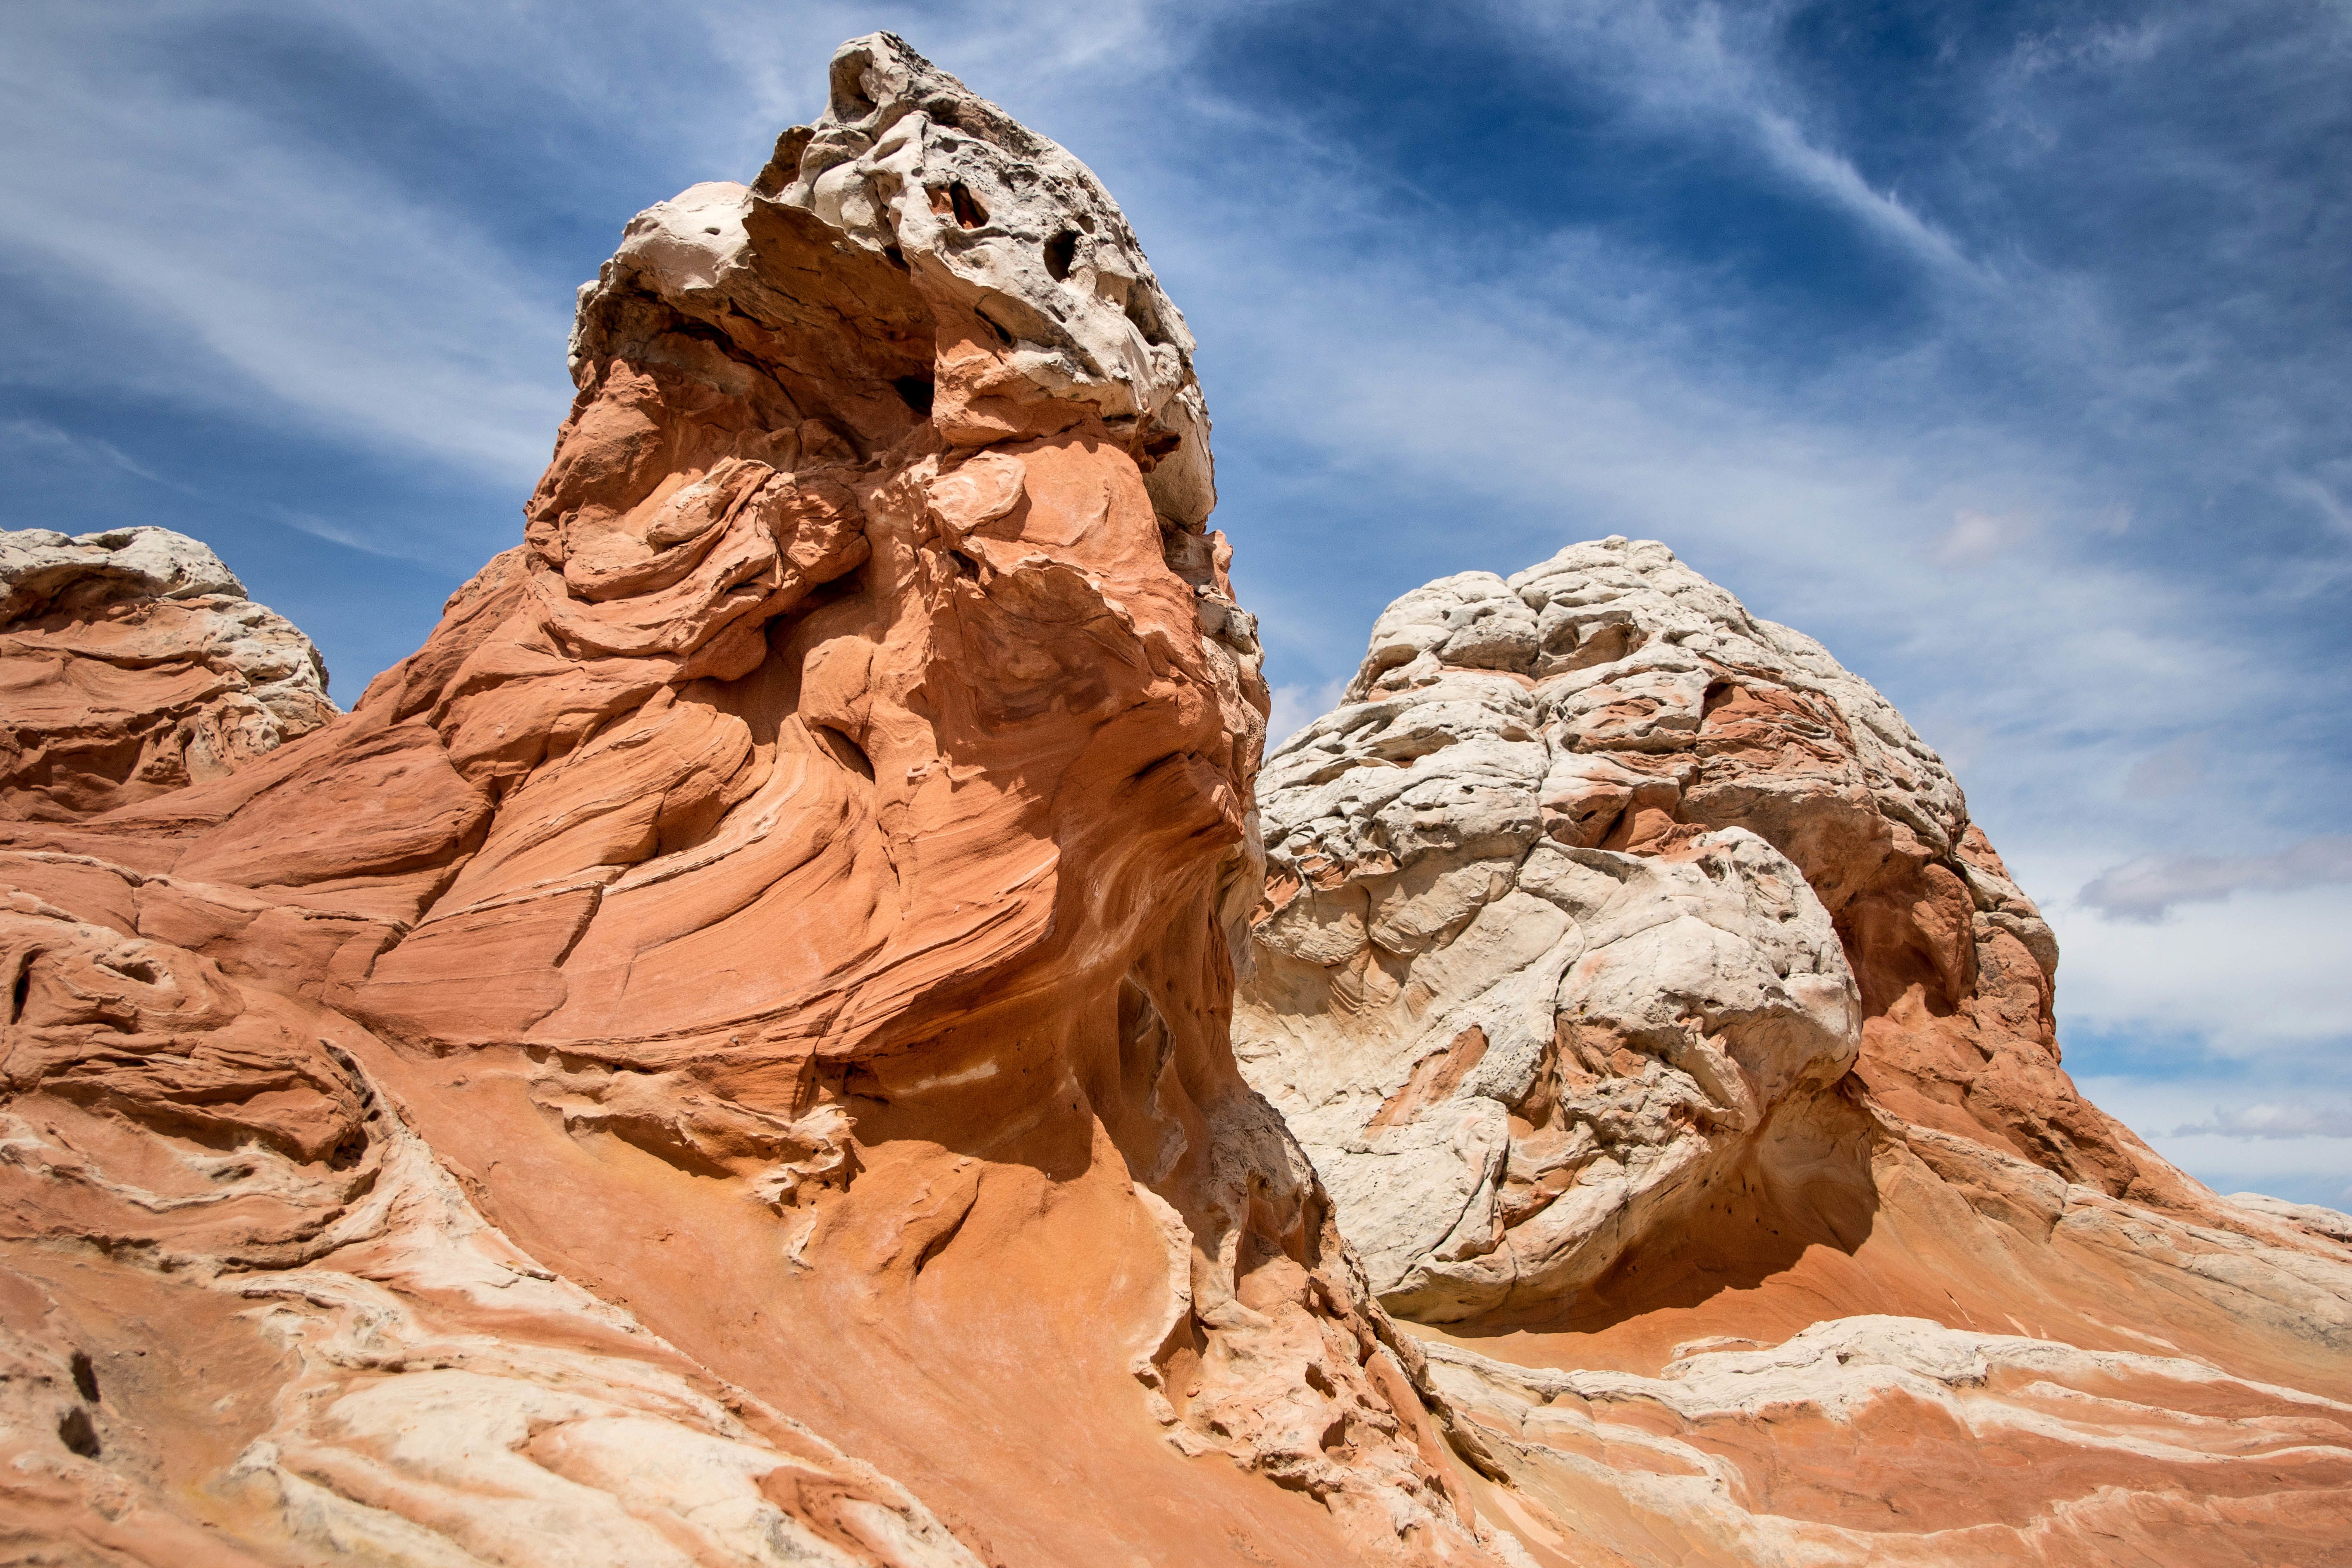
x=909, y=163
x=1549, y=929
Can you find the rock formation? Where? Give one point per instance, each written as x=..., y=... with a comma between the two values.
x=1678, y=1053
x=725, y=1056
x=721, y=1056
x=131, y=663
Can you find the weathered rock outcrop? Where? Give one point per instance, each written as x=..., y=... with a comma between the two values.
x=722, y=1056
x=131, y=663
x=1637, y=982
x=725, y=1056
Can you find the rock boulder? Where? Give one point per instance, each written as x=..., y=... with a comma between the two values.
x=132, y=663
x=1681, y=1057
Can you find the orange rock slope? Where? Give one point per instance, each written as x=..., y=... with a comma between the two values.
x=724, y=1056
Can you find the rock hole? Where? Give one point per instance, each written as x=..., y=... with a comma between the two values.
x=916, y=392
x=996, y=326
x=1139, y=316
x=1061, y=253
x=895, y=256
x=969, y=213
x=75, y=1431
x=850, y=102
x=21, y=993
x=84, y=1377
x=846, y=752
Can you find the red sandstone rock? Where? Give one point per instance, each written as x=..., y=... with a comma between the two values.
x=722, y=1056
x=131, y=663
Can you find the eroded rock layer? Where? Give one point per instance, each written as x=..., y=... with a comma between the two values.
x=1679, y=1054
x=722, y=1056
x=132, y=663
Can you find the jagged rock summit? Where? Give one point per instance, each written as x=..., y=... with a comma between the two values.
x=1681, y=1057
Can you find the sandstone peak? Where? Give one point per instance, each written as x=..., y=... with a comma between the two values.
x=998, y=232
x=722, y=1055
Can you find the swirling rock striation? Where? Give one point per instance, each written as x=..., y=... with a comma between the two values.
x=726, y=1054
x=1637, y=982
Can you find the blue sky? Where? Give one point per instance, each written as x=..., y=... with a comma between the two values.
x=2004, y=348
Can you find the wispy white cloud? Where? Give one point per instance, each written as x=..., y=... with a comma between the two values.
x=350, y=538
x=2148, y=889
x=2256, y=979
x=1297, y=706
x=2239, y=1136
x=41, y=440
x=1697, y=61
x=2271, y=1120
x=2172, y=769
x=296, y=283
x=1977, y=537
